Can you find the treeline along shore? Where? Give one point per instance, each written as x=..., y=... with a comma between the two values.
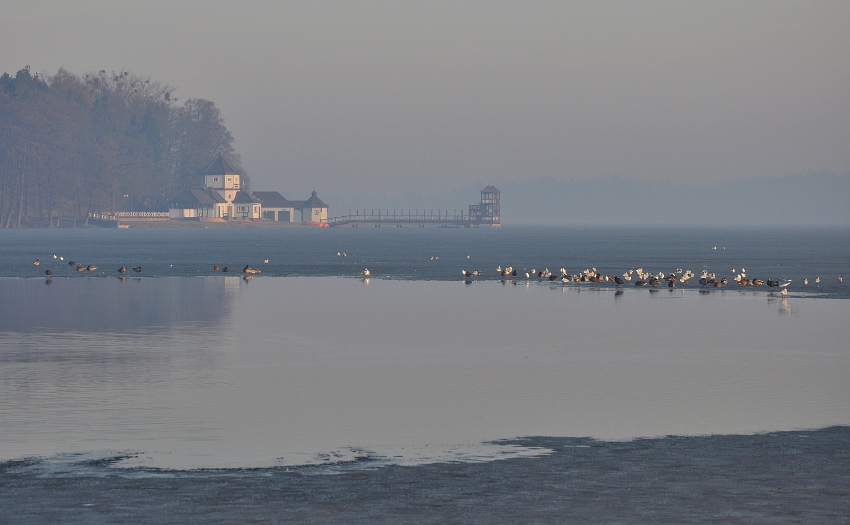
x=99, y=141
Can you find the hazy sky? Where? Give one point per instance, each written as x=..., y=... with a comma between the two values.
x=384, y=97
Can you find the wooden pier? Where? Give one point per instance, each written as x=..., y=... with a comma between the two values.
x=399, y=219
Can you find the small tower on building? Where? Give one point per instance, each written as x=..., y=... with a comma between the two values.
x=220, y=175
x=314, y=210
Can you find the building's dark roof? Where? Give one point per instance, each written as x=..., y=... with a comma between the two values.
x=219, y=167
x=314, y=202
x=193, y=198
x=490, y=189
x=273, y=199
x=243, y=197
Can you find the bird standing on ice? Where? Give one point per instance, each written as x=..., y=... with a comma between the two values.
x=366, y=272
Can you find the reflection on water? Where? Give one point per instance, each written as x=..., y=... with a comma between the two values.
x=116, y=304
x=293, y=370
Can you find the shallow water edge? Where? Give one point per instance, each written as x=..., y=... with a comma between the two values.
x=775, y=477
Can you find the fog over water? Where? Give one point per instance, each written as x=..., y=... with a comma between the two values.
x=376, y=104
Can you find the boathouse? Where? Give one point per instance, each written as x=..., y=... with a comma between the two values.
x=276, y=207
x=224, y=198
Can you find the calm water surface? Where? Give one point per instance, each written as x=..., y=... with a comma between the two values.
x=439, y=254
x=181, y=373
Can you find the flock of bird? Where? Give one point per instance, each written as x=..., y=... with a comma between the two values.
x=641, y=278
x=82, y=267
x=588, y=275
x=247, y=270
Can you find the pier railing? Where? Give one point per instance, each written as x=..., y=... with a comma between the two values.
x=127, y=216
x=387, y=217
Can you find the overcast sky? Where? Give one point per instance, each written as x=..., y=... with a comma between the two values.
x=390, y=97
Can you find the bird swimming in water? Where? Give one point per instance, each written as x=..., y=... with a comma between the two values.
x=817, y=280
x=266, y=261
x=123, y=269
x=215, y=268
x=71, y=263
x=366, y=273
x=224, y=269
x=81, y=268
x=36, y=262
x=841, y=278
x=91, y=268
x=48, y=272
x=137, y=269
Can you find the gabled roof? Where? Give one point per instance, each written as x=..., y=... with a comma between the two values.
x=243, y=197
x=219, y=167
x=273, y=199
x=193, y=198
x=490, y=189
x=314, y=202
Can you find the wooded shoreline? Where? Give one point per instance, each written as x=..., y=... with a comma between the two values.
x=74, y=144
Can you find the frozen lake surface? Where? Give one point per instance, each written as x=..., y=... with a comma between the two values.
x=217, y=372
x=333, y=400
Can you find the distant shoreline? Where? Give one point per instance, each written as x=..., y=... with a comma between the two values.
x=172, y=224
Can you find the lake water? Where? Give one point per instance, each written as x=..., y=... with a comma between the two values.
x=310, y=365
x=438, y=253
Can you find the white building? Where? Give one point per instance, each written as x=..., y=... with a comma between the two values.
x=223, y=198
x=313, y=210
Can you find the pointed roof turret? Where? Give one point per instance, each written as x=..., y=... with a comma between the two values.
x=490, y=189
x=219, y=167
x=314, y=202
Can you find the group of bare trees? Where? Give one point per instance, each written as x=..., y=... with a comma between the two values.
x=103, y=142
